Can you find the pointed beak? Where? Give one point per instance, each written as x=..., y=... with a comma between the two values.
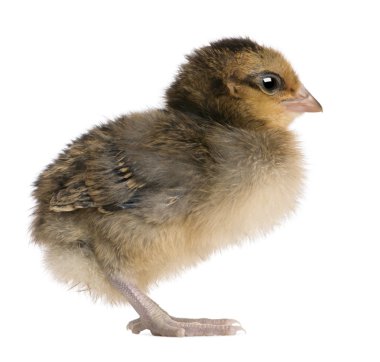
x=302, y=102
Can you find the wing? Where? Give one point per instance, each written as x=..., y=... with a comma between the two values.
x=150, y=164
x=105, y=183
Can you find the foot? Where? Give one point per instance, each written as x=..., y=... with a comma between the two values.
x=165, y=325
x=160, y=323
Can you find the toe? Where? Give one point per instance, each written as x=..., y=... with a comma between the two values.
x=136, y=326
x=168, y=331
x=224, y=321
x=197, y=329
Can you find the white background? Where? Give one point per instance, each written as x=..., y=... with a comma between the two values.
x=310, y=291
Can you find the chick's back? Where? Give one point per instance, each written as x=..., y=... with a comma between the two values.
x=124, y=164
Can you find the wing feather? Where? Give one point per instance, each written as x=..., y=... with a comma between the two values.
x=106, y=188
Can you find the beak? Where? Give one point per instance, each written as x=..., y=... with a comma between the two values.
x=302, y=102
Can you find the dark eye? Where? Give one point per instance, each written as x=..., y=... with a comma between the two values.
x=270, y=83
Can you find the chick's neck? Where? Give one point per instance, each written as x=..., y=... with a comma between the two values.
x=219, y=109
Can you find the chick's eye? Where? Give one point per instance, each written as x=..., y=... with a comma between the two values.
x=270, y=83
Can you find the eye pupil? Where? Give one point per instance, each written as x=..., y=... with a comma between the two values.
x=269, y=83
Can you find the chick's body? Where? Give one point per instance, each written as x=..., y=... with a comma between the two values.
x=148, y=194
x=165, y=191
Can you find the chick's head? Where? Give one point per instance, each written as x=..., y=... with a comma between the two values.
x=240, y=82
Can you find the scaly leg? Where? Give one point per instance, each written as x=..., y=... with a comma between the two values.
x=160, y=323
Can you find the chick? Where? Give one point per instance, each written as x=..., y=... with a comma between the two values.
x=144, y=196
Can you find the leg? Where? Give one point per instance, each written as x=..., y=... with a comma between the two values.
x=160, y=323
